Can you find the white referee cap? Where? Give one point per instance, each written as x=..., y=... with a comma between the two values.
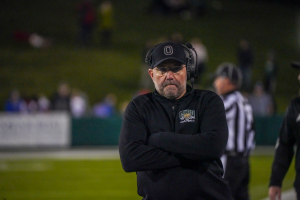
x=230, y=71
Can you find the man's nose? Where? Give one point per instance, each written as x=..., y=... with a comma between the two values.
x=169, y=75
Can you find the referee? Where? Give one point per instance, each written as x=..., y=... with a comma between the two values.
x=289, y=136
x=241, y=130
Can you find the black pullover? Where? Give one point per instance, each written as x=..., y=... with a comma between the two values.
x=175, y=146
x=289, y=136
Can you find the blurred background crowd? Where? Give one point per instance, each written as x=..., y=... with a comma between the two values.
x=76, y=102
x=98, y=31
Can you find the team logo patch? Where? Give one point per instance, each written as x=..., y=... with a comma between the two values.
x=168, y=50
x=187, y=116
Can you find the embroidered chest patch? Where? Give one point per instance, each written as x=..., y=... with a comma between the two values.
x=187, y=116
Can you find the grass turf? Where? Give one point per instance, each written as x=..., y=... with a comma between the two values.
x=29, y=179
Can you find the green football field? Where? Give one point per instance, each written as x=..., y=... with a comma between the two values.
x=64, y=179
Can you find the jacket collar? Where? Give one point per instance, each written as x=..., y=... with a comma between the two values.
x=228, y=93
x=186, y=96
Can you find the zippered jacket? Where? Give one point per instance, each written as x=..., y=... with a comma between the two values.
x=175, y=146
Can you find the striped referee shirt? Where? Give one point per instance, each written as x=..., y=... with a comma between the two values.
x=240, y=124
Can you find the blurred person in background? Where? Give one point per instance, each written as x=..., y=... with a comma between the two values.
x=202, y=58
x=106, y=108
x=60, y=100
x=173, y=138
x=270, y=72
x=31, y=103
x=15, y=103
x=241, y=130
x=78, y=103
x=289, y=137
x=44, y=104
x=86, y=18
x=245, y=62
x=105, y=20
x=39, y=42
x=36, y=40
x=261, y=102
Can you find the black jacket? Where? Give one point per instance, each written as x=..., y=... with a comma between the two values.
x=175, y=146
x=289, y=136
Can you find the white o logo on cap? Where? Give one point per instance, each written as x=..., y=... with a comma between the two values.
x=168, y=50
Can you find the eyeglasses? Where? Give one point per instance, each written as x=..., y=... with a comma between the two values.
x=162, y=71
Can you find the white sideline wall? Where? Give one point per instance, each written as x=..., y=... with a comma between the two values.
x=35, y=130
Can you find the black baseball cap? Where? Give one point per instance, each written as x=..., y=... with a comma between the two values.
x=231, y=72
x=166, y=51
x=296, y=65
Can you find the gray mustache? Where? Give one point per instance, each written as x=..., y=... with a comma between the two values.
x=170, y=83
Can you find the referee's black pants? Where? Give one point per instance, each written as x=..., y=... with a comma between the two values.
x=237, y=173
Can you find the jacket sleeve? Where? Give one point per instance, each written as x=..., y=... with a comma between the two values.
x=135, y=154
x=284, y=149
x=209, y=144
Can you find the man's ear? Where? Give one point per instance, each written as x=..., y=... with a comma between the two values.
x=150, y=71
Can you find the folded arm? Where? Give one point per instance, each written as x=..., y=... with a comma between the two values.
x=135, y=154
x=208, y=144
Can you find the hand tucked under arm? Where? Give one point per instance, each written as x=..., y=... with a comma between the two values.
x=197, y=147
x=135, y=155
x=209, y=143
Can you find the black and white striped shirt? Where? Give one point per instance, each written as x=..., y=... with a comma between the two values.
x=240, y=124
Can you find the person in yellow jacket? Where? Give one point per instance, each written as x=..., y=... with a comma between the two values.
x=105, y=22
